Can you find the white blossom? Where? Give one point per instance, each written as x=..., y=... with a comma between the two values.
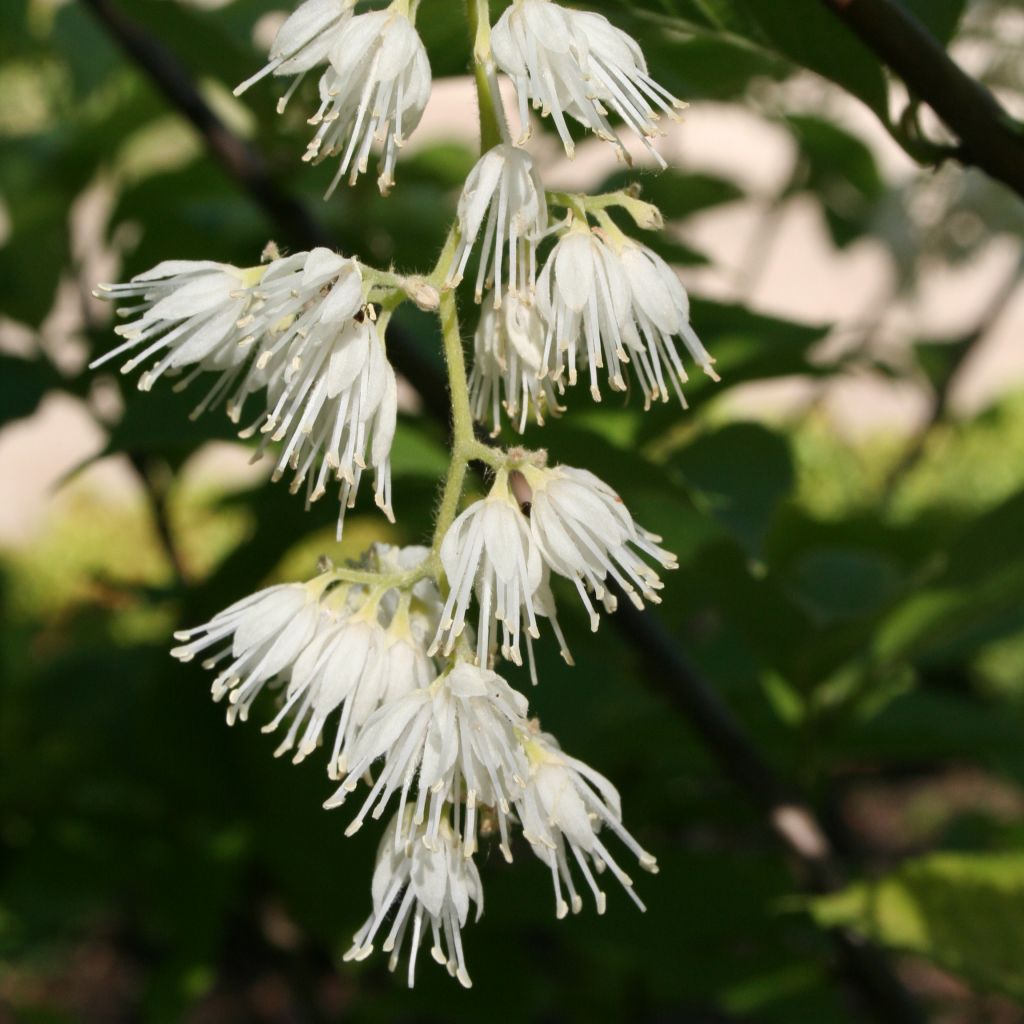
x=374, y=90
x=610, y=303
x=334, y=403
x=303, y=40
x=564, y=806
x=327, y=646
x=508, y=370
x=343, y=667
x=454, y=740
x=262, y=636
x=190, y=313
x=427, y=885
x=504, y=193
x=576, y=63
x=660, y=311
x=489, y=550
x=584, y=532
x=584, y=297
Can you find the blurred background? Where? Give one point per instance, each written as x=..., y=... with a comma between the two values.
x=847, y=505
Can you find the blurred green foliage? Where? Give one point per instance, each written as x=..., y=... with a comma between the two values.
x=859, y=607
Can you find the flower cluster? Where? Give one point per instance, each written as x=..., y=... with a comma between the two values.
x=300, y=332
x=353, y=670
x=373, y=89
x=390, y=666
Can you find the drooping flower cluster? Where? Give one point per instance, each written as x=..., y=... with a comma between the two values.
x=373, y=90
x=349, y=669
x=577, y=528
x=299, y=331
x=390, y=666
x=576, y=63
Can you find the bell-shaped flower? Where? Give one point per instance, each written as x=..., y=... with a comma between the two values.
x=504, y=197
x=585, y=533
x=660, y=312
x=489, y=550
x=262, y=636
x=577, y=63
x=508, y=370
x=456, y=740
x=584, y=297
x=374, y=90
x=420, y=885
x=563, y=808
x=304, y=40
x=189, y=313
x=343, y=667
x=333, y=402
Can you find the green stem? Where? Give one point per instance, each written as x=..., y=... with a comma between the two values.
x=493, y=130
x=384, y=581
x=463, y=439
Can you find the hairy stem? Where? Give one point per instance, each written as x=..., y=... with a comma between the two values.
x=493, y=130
x=463, y=437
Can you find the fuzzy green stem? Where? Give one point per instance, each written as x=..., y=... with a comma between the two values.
x=492, y=131
x=384, y=581
x=463, y=439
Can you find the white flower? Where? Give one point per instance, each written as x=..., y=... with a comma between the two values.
x=503, y=189
x=428, y=885
x=262, y=634
x=192, y=313
x=508, y=371
x=303, y=41
x=343, y=666
x=455, y=740
x=584, y=532
x=489, y=550
x=374, y=91
x=584, y=297
x=577, y=63
x=334, y=403
x=301, y=301
x=565, y=804
x=660, y=312
x=610, y=302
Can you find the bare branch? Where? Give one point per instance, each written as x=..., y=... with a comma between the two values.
x=989, y=138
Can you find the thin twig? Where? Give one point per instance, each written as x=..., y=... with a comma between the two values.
x=989, y=138
x=789, y=816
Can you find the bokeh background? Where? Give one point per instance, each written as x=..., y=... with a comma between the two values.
x=848, y=507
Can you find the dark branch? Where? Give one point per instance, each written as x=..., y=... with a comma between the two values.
x=787, y=812
x=789, y=816
x=989, y=138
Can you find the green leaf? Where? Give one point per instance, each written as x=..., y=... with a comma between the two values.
x=975, y=594
x=965, y=912
x=840, y=170
x=834, y=584
x=676, y=194
x=742, y=472
x=811, y=36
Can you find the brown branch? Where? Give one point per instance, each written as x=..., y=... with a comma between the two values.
x=989, y=138
x=789, y=816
